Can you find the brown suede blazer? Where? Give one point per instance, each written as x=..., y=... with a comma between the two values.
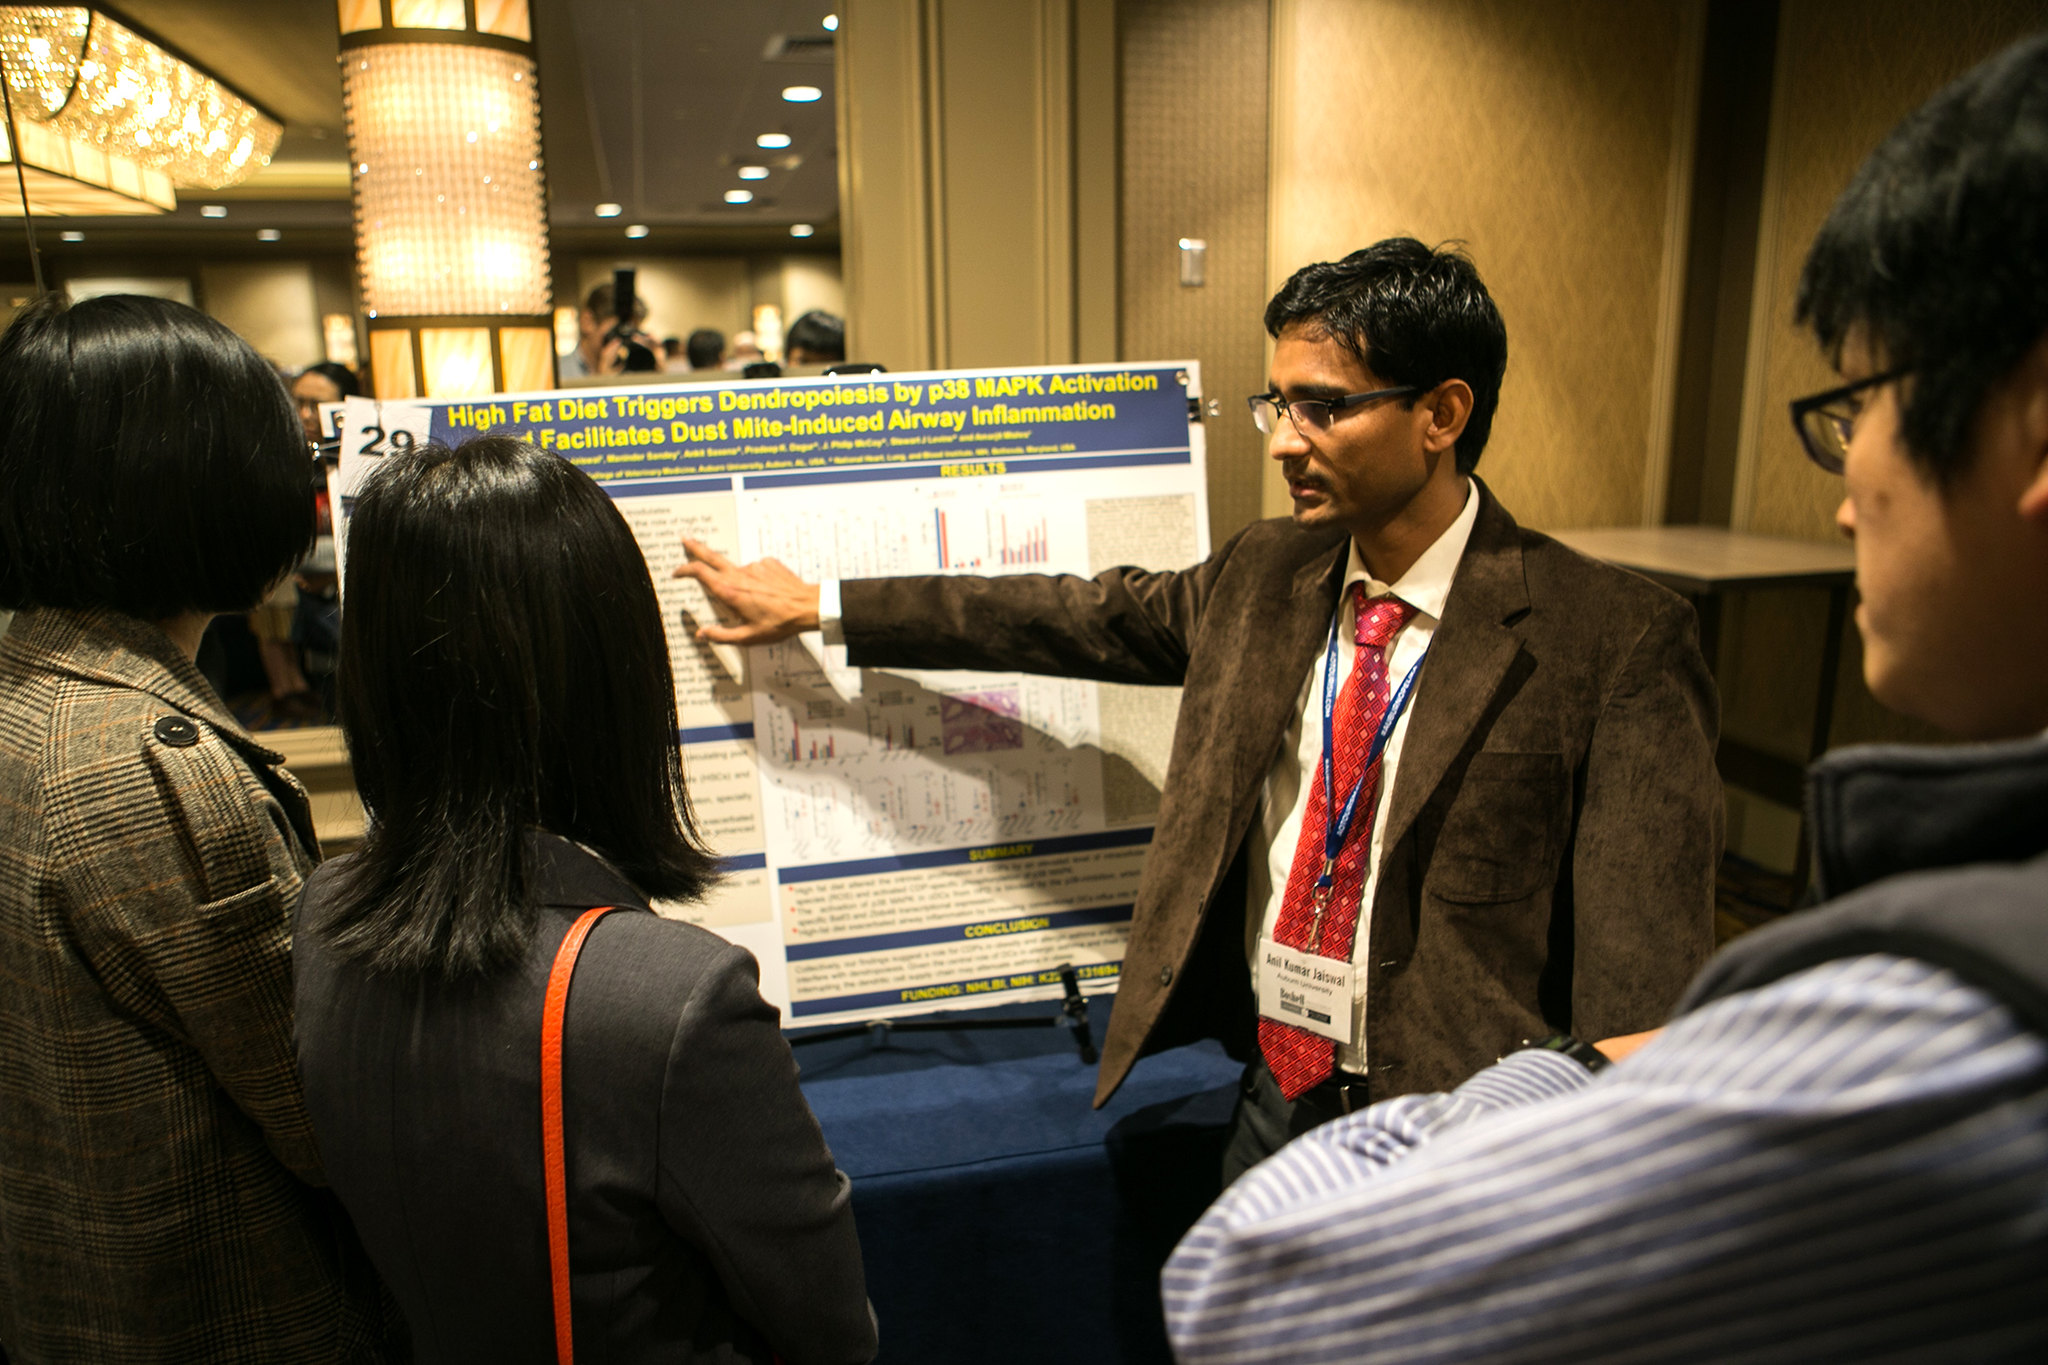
x=1555, y=819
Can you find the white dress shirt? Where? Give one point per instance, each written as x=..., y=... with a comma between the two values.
x=1291, y=783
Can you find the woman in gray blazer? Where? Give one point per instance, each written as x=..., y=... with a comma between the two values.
x=506, y=694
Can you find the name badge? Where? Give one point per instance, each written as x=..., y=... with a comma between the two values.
x=1299, y=988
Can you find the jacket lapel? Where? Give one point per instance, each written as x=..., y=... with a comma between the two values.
x=1468, y=658
x=1303, y=632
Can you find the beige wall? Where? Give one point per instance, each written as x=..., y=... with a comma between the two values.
x=1553, y=139
x=684, y=293
x=1848, y=70
x=273, y=305
x=810, y=282
x=978, y=180
x=1194, y=165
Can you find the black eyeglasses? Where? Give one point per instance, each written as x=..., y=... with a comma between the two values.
x=1825, y=421
x=1311, y=414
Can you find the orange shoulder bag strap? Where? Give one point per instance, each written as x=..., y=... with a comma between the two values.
x=552, y=1151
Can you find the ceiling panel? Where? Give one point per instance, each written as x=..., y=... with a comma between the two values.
x=674, y=93
x=652, y=104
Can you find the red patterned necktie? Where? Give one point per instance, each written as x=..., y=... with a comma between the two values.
x=1301, y=1060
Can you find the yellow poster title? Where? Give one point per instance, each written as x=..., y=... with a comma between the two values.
x=702, y=417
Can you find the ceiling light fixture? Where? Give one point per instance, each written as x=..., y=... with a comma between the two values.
x=802, y=94
x=110, y=88
x=608, y=210
x=69, y=179
x=213, y=210
x=739, y=196
x=773, y=142
x=830, y=23
x=801, y=229
x=71, y=236
x=637, y=231
x=269, y=235
x=753, y=172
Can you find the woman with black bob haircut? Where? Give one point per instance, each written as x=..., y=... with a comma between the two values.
x=505, y=690
x=158, y=1169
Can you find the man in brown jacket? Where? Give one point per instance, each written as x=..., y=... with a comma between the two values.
x=1532, y=848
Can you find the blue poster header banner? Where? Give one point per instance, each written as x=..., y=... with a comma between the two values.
x=957, y=422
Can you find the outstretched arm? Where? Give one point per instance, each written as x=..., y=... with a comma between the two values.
x=1125, y=624
x=766, y=600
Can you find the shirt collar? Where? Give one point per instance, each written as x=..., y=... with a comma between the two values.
x=1427, y=584
x=564, y=873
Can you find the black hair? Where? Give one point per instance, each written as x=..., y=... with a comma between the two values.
x=503, y=668
x=150, y=462
x=1938, y=251
x=1412, y=315
x=341, y=376
x=820, y=333
x=705, y=348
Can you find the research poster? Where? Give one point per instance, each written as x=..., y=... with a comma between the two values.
x=894, y=841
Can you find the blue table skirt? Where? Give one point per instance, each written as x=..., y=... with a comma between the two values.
x=1001, y=1218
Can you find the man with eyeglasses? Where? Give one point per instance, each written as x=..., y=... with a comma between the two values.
x=1838, y=1148
x=1439, y=784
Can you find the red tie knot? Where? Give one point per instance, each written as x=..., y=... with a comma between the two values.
x=1380, y=618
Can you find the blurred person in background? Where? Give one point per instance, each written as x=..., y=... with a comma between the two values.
x=706, y=349
x=161, y=1195
x=744, y=351
x=511, y=717
x=316, y=619
x=322, y=382
x=599, y=350
x=816, y=338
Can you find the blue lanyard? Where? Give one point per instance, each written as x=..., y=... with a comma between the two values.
x=1337, y=823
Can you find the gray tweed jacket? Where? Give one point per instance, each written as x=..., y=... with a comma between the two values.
x=159, y=1184
x=1555, y=822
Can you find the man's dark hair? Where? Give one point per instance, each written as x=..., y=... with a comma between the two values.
x=1938, y=250
x=150, y=462
x=1412, y=315
x=341, y=376
x=503, y=668
x=705, y=349
x=820, y=334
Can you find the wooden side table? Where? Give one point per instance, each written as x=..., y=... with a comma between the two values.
x=1704, y=563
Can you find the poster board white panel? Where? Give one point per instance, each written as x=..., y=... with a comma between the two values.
x=894, y=841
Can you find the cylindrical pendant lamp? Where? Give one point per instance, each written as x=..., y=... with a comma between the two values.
x=450, y=198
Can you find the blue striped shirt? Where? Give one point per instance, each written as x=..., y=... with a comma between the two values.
x=1848, y=1164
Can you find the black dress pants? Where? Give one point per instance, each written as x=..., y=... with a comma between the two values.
x=1264, y=1122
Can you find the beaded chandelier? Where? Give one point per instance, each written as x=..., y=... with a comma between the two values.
x=104, y=106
